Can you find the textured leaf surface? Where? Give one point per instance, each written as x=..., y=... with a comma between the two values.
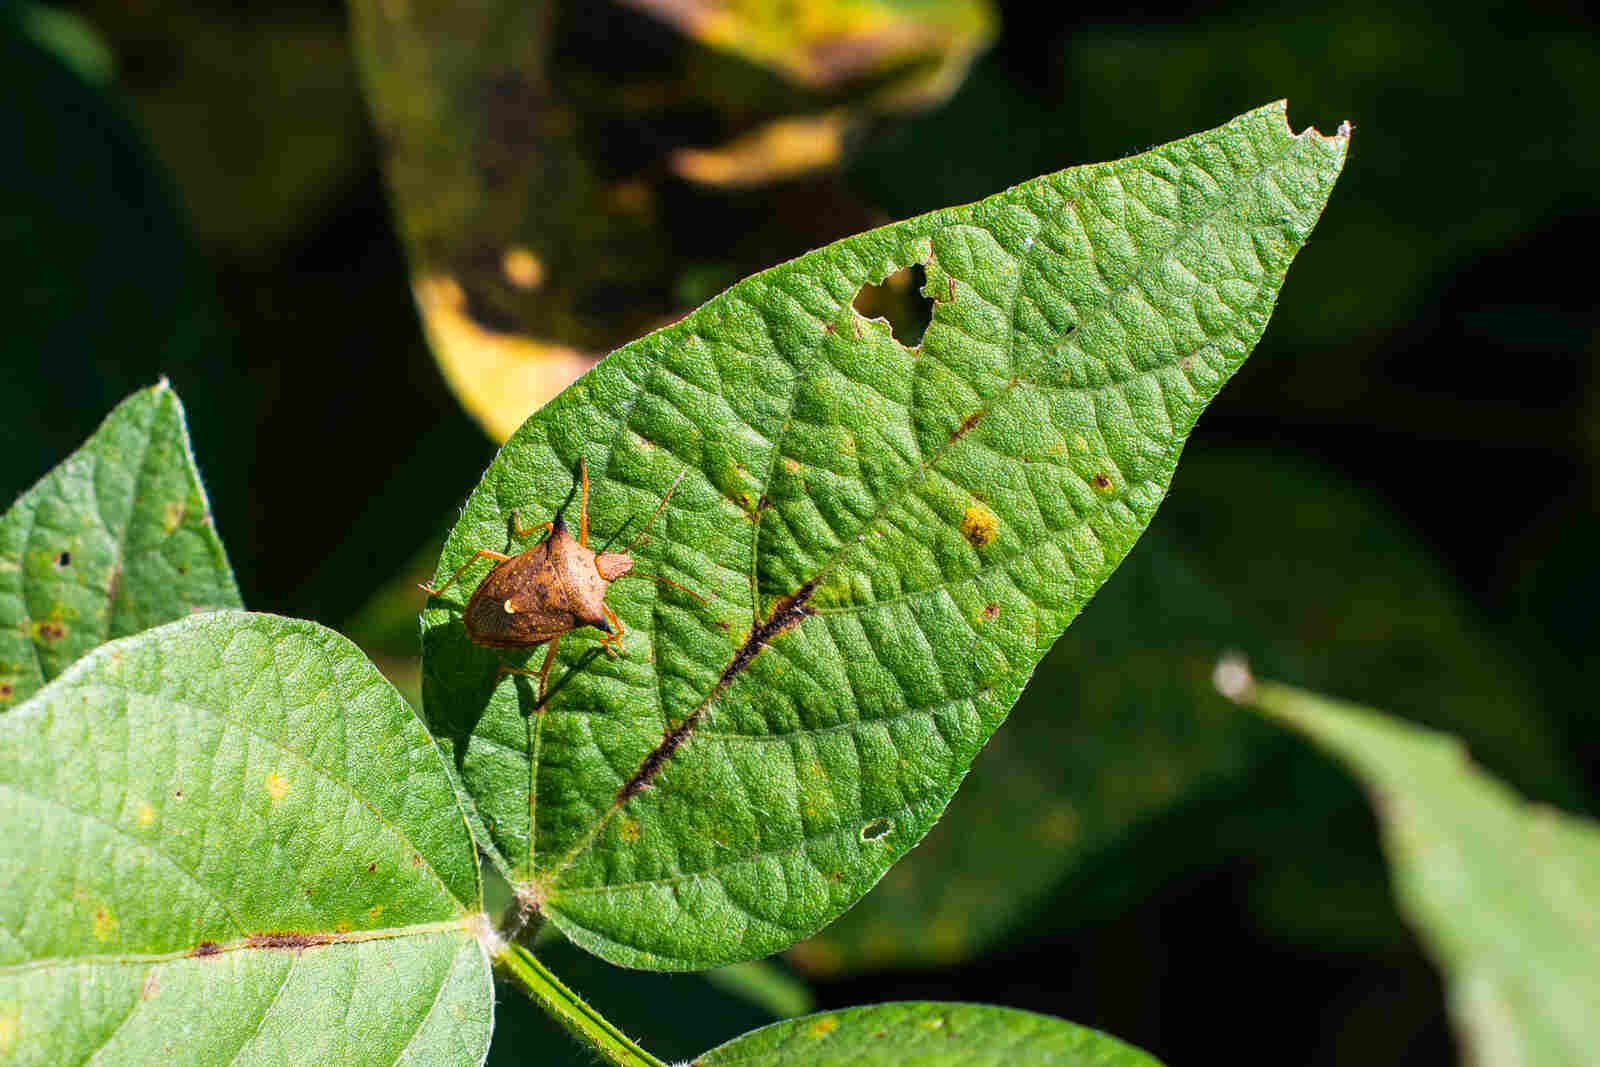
x=1121, y=726
x=1502, y=891
x=113, y=541
x=888, y=539
x=228, y=838
x=929, y=1035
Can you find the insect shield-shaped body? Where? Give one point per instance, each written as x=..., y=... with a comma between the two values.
x=555, y=586
x=550, y=589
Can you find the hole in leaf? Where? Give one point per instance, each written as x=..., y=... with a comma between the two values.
x=876, y=830
x=899, y=299
x=63, y=559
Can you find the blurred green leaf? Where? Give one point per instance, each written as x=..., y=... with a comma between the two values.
x=1502, y=891
x=941, y=515
x=534, y=154
x=115, y=540
x=69, y=38
x=926, y=1034
x=767, y=984
x=226, y=840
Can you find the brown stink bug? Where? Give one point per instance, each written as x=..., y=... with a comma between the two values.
x=553, y=587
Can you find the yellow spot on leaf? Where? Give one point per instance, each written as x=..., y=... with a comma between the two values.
x=277, y=786
x=173, y=514
x=342, y=926
x=932, y=1024
x=824, y=1026
x=146, y=814
x=9, y=1025
x=629, y=829
x=374, y=911
x=105, y=925
x=978, y=525
x=49, y=629
x=791, y=464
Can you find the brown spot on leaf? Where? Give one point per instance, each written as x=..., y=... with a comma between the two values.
x=206, y=948
x=50, y=630
x=416, y=860
x=1101, y=481
x=371, y=867
x=63, y=560
x=991, y=610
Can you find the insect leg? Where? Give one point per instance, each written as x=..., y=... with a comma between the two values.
x=544, y=672
x=498, y=557
x=524, y=531
x=612, y=642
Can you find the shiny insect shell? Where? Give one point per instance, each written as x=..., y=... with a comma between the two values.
x=551, y=588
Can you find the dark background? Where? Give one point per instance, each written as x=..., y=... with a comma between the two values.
x=197, y=192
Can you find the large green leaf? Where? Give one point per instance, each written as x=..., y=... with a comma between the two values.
x=229, y=839
x=1502, y=891
x=116, y=539
x=887, y=539
x=928, y=1034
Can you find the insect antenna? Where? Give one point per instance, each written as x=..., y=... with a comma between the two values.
x=656, y=512
x=613, y=539
x=666, y=581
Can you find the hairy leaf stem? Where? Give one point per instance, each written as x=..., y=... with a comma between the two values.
x=588, y=1026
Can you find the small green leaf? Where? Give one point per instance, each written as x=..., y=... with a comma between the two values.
x=228, y=838
x=116, y=539
x=887, y=539
x=927, y=1034
x=1501, y=890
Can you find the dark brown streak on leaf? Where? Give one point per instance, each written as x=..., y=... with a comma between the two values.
x=288, y=939
x=206, y=948
x=966, y=425
x=787, y=613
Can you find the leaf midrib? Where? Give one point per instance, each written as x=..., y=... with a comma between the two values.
x=335, y=938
